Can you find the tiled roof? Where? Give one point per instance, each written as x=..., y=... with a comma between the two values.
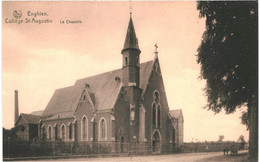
x=62, y=115
x=131, y=39
x=38, y=113
x=103, y=88
x=176, y=113
x=30, y=119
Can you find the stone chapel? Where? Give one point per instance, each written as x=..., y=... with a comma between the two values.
x=127, y=105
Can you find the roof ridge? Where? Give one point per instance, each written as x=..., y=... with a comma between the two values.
x=108, y=72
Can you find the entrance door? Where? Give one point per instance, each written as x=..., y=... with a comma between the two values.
x=156, y=143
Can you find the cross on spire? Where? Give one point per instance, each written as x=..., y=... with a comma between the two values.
x=130, y=9
x=155, y=52
x=156, y=47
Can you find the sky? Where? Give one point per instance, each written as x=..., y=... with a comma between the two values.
x=39, y=58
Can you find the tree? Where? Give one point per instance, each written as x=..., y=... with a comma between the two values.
x=241, y=139
x=228, y=55
x=9, y=133
x=221, y=138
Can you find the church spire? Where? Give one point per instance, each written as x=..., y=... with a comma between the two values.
x=131, y=41
x=130, y=54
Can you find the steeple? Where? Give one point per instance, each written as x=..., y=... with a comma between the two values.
x=131, y=41
x=131, y=75
x=130, y=54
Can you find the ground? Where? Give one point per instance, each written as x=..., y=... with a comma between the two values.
x=185, y=157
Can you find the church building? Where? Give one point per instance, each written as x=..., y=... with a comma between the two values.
x=127, y=105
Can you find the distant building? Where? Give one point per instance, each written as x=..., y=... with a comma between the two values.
x=177, y=122
x=28, y=126
x=127, y=105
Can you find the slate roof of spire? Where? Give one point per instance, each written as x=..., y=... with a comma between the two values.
x=131, y=40
x=104, y=88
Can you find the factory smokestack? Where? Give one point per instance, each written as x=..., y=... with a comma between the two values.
x=16, y=107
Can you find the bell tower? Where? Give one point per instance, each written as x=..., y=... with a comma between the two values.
x=131, y=61
x=131, y=77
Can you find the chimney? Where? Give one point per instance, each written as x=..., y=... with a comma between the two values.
x=16, y=107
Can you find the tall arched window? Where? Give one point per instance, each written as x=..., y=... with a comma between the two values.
x=49, y=132
x=55, y=131
x=63, y=132
x=159, y=116
x=43, y=135
x=156, y=109
x=102, y=129
x=84, y=129
x=70, y=131
x=154, y=114
x=74, y=130
x=173, y=136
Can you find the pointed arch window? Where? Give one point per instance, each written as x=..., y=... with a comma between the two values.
x=156, y=110
x=173, y=136
x=49, y=132
x=74, y=130
x=156, y=96
x=70, y=131
x=102, y=129
x=159, y=116
x=154, y=114
x=43, y=132
x=55, y=132
x=84, y=128
x=63, y=132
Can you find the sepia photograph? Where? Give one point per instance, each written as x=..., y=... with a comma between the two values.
x=130, y=81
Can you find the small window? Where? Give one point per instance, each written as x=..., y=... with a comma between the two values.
x=84, y=98
x=126, y=61
x=156, y=96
